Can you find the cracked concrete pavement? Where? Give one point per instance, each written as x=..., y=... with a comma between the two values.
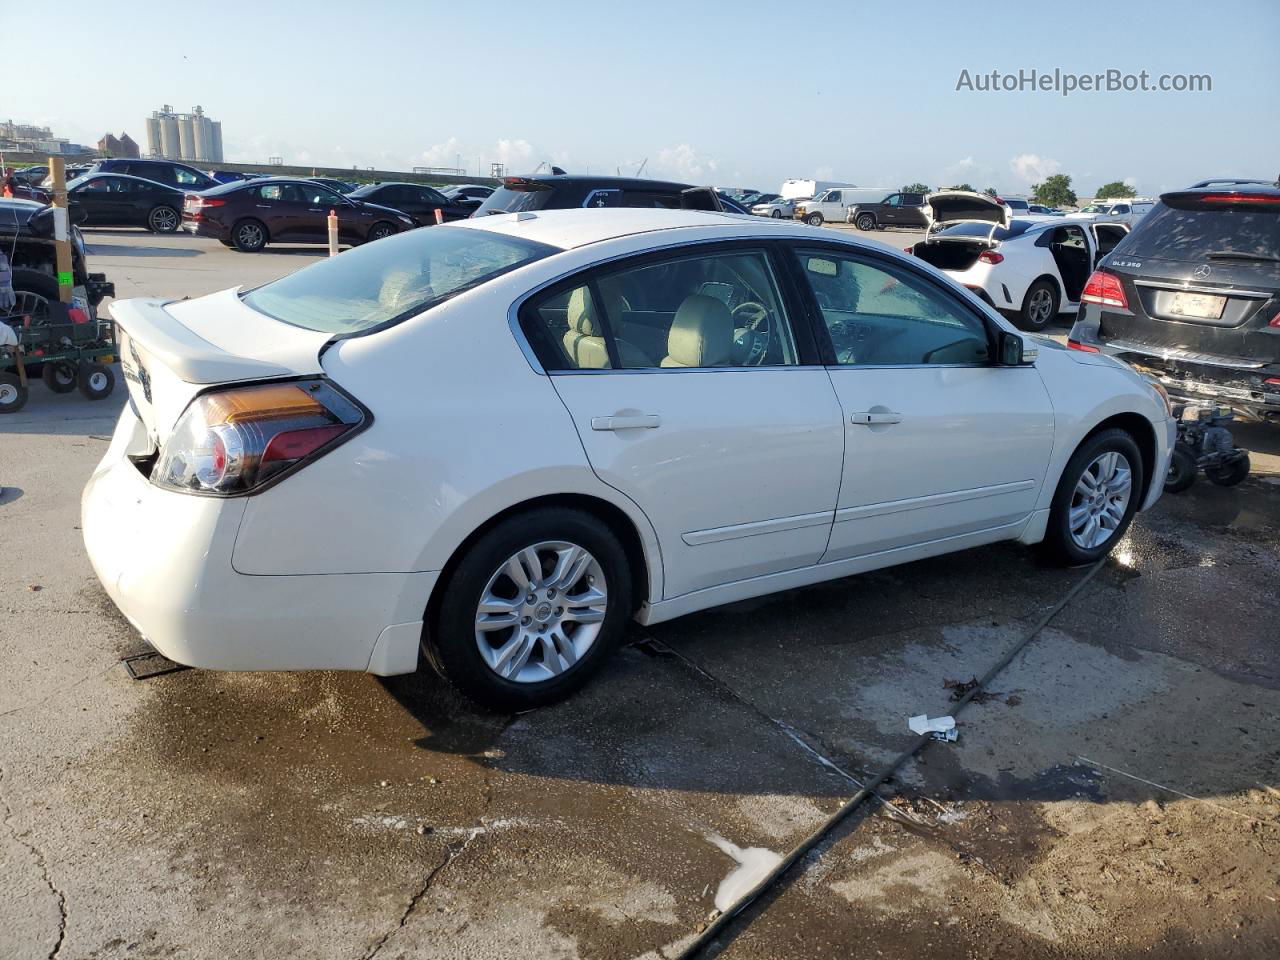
x=1118, y=795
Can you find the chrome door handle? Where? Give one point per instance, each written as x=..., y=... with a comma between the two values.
x=864, y=417
x=264, y=206
x=641, y=422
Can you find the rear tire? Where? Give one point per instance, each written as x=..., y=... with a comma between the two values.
x=59, y=376
x=13, y=395
x=813, y=219
x=1228, y=475
x=1039, y=306
x=379, y=230
x=462, y=653
x=1068, y=543
x=163, y=219
x=865, y=221
x=1182, y=470
x=249, y=236
x=95, y=380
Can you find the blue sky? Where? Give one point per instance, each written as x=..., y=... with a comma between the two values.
x=732, y=93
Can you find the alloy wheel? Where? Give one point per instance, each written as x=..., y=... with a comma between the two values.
x=541, y=611
x=1100, y=500
x=250, y=234
x=164, y=220
x=1040, y=308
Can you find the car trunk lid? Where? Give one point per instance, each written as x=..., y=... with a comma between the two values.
x=948, y=207
x=172, y=350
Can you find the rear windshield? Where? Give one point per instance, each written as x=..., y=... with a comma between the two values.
x=973, y=229
x=1172, y=234
x=379, y=284
x=533, y=196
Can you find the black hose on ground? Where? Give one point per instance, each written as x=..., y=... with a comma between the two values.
x=717, y=926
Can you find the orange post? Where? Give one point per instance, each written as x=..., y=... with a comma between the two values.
x=439, y=215
x=333, y=233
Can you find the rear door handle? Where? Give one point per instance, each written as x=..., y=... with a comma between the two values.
x=865, y=417
x=642, y=421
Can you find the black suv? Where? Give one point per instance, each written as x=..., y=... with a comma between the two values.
x=1192, y=297
x=565, y=191
x=895, y=210
x=169, y=172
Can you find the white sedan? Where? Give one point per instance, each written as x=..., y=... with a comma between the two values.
x=489, y=444
x=1030, y=268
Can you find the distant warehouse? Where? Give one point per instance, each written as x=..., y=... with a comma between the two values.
x=184, y=136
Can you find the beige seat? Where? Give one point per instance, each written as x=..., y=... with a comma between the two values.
x=701, y=334
x=584, y=344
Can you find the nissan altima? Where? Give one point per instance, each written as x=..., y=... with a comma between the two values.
x=486, y=445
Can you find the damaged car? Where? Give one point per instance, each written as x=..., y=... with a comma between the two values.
x=1030, y=269
x=1192, y=297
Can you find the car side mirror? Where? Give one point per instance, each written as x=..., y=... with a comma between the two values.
x=1014, y=351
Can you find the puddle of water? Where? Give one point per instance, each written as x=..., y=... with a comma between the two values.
x=754, y=863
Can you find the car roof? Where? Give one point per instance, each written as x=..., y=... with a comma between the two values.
x=1265, y=187
x=112, y=175
x=578, y=227
x=567, y=179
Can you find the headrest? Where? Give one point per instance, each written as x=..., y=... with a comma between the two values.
x=702, y=332
x=582, y=313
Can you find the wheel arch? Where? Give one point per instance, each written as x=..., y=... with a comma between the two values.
x=645, y=569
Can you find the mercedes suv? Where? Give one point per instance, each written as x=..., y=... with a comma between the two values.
x=1192, y=297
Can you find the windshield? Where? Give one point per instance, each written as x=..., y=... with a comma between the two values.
x=381, y=283
x=971, y=228
x=1173, y=234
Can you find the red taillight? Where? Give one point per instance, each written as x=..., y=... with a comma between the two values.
x=1239, y=198
x=1272, y=381
x=1082, y=347
x=908, y=249
x=210, y=202
x=1104, y=289
x=990, y=256
x=1275, y=321
x=300, y=443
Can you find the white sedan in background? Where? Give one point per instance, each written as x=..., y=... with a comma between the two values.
x=1030, y=268
x=779, y=209
x=495, y=441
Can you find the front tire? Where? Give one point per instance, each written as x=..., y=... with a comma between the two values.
x=249, y=236
x=1096, y=498
x=865, y=221
x=814, y=219
x=532, y=610
x=1039, y=306
x=163, y=219
x=776, y=214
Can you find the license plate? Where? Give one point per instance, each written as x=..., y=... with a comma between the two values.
x=1203, y=306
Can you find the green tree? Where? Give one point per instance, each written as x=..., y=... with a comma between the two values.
x=916, y=188
x=1055, y=191
x=960, y=186
x=990, y=192
x=1115, y=188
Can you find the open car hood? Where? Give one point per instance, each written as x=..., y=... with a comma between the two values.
x=958, y=206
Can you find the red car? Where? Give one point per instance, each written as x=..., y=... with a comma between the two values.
x=249, y=214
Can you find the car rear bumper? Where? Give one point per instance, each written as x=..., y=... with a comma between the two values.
x=165, y=560
x=1250, y=387
x=205, y=228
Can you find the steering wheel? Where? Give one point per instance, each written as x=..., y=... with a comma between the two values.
x=752, y=333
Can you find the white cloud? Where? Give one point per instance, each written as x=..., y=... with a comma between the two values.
x=1033, y=168
x=514, y=154
x=1131, y=182
x=444, y=154
x=683, y=162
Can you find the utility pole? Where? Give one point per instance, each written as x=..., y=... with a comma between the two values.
x=61, y=228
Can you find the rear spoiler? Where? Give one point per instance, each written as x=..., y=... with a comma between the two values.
x=191, y=357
